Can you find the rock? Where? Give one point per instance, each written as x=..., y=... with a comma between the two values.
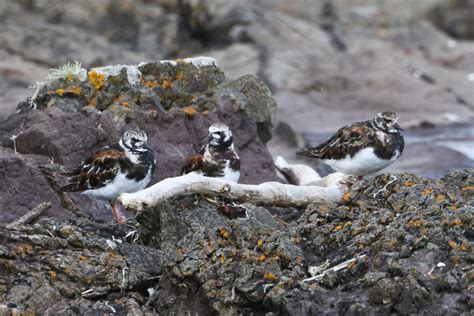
x=455, y=18
x=183, y=255
x=173, y=101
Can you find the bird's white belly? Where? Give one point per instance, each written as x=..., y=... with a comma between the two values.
x=119, y=185
x=363, y=163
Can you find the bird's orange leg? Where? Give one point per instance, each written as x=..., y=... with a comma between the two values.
x=118, y=215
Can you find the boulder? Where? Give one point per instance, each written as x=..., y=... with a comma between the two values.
x=75, y=112
x=413, y=239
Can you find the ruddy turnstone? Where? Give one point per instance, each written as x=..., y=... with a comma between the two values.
x=217, y=157
x=126, y=166
x=362, y=148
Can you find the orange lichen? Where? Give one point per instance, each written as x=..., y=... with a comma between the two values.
x=457, y=222
x=337, y=228
x=125, y=104
x=259, y=243
x=427, y=192
x=453, y=208
x=150, y=84
x=180, y=75
x=60, y=91
x=189, y=110
x=348, y=224
x=452, y=244
x=409, y=183
x=269, y=276
x=70, y=77
x=166, y=84
x=261, y=258
x=468, y=188
x=53, y=275
x=351, y=265
x=346, y=197
x=96, y=79
x=221, y=258
x=439, y=198
x=74, y=90
x=223, y=233
x=83, y=258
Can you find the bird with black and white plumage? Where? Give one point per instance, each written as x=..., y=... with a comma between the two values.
x=362, y=148
x=217, y=157
x=126, y=166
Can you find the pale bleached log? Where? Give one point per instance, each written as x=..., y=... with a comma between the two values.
x=297, y=174
x=328, y=189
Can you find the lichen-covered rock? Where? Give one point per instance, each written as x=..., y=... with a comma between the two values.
x=77, y=111
x=414, y=242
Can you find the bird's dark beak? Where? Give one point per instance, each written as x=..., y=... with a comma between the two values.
x=146, y=146
x=206, y=139
x=398, y=127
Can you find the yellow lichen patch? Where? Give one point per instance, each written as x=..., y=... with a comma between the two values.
x=453, y=208
x=299, y=261
x=351, y=265
x=150, y=84
x=125, y=104
x=468, y=188
x=166, y=84
x=346, y=196
x=60, y=91
x=463, y=246
x=261, y=258
x=337, y=228
x=457, y=222
x=70, y=77
x=211, y=246
x=96, y=79
x=74, y=90
x=409, y=183
x=93, y=101
x=452, y=244
x=53, y=275
x=83, y=258
x=348, y=224
x=427, y=192
x=180, y=75
x=259, y=243
x=223, y=233
x=189, y=110
x=269, y=276
x=439, y=198
x=67, y=271
x=221, y=258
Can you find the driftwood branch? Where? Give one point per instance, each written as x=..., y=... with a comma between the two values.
x=30, y=216
x=297, y=174
x=328, y=189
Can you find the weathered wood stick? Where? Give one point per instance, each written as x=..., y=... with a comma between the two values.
x=328, y=189
x=30, y=215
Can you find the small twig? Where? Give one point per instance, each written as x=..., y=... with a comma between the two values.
x=385, y=187
x=30, y=215
x=335, y=269
x=13, y=138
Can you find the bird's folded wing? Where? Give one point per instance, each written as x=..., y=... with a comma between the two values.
x=193, y=163
x=346, y=141
x=96, y=171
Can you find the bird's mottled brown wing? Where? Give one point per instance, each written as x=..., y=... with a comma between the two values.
x=96, y=171
x=347, y=141
x=193, y=163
